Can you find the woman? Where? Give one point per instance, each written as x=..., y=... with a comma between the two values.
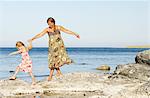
x=57, y=55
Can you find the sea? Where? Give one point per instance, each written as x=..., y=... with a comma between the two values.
x=86, y=59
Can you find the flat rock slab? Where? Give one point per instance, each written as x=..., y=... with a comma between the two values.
x=73, y=85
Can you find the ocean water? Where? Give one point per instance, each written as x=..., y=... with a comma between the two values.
x=85, y=60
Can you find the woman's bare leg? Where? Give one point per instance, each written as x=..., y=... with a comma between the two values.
x=58, y=71
x=33, y=78
x=51, y=74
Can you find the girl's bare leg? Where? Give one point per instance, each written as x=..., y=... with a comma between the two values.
x=58, y=71
x=33, y=78
x=51, y=74
x=16, y=72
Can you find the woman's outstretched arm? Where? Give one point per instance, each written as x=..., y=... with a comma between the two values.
x=39, y=35
x=61, y=28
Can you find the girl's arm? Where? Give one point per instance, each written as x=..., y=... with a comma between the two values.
x=29, y=47
x=39, y=35
x=13, y=53
x=61, y=28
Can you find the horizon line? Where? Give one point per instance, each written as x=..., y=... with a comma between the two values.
x=84, y=47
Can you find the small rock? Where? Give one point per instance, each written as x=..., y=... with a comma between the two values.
x=84, y=94
x=103, y=67
x=11, y=71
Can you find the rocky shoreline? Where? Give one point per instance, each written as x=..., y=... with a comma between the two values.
x=127, y=81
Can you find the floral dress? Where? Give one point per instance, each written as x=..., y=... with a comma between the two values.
x=26, y=64
x=57, y=55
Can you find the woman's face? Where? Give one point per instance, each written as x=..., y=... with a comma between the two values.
x=50, y=23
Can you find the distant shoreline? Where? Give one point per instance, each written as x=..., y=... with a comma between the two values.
x=138, y=46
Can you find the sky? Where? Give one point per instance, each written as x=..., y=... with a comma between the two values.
x=100, y=23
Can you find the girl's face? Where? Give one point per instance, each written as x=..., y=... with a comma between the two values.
x=18, y=45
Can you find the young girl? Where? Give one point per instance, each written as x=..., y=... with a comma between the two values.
x=26, y=64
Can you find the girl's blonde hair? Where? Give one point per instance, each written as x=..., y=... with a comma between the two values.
x=19, y=44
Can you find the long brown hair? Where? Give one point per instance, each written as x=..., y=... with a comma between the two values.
x=52, y=20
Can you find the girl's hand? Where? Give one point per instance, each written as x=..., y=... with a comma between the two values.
x=30, y=40
x=10, y=54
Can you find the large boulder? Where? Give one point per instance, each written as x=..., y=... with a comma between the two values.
x=135, y=71
x=143, y=57
x=139, y=70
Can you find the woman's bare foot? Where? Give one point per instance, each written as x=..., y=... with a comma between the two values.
x=49, y=78
x=12, y=78
x=59, y=74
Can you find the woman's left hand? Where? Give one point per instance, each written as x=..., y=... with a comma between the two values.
x=78, y=36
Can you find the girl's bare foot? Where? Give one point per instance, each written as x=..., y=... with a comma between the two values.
x=12, y=78
x=33, y=83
